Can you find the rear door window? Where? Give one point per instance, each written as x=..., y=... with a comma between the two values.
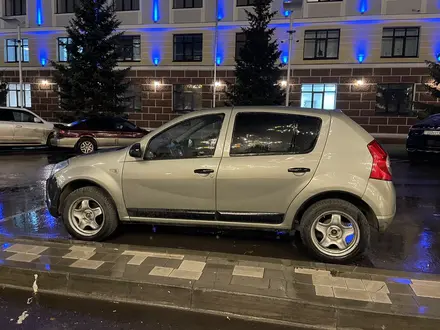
x=23, y=117
x=262, y=133
x=6, y=115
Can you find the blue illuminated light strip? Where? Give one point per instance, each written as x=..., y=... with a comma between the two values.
x=39, y=12
x=220, y=9
x=156, y=11
x=363, y=6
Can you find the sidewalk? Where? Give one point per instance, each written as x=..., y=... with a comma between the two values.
x=305, y=293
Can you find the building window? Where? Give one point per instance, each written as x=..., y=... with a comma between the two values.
x=15, y=7
x=13, y=97
x=394, y=98
x=321, y=44
x=179, y=4
x=63, y=55
x=188, y=47
x=134, y=98
x=130, y=48
x=240, y=41
x=242, y=3
x=126, y=5
x=400, y=42
x=12, y=50
x=318, y=96
x=187, y=97
x=66, y=6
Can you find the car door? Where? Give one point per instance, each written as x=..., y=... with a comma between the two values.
x=7, y=126
x=268, y=159
x=28, y=128
x=177, y=179
x=128, y=133
x=103, y=130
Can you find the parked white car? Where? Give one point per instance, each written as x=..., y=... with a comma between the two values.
x=22, y=127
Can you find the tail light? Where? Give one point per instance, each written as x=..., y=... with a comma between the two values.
x=63, y=134
x=381, y=169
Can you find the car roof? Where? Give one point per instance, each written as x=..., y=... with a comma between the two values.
x=18, y=109
x=276, y=108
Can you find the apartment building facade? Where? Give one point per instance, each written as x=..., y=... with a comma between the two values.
x=365, y=57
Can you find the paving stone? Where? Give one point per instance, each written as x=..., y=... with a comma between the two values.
x=223, y=278
x=193, y=266
x=400, y=289
x=79, y=254
x=248, y=271
x=379, y=297
x=23, y=257
x=327, y=280
x=311, y=271
x=249, y=263
x=351, y=294
x=301, y=278
x=161, y=271
x=262, y=283
x=185, y=274
x=402, y=299
x=273, y=274
x=277, y=284
x=272, y=266
x=375, y=286
x=354, y=284
x=195, y=257
x=137, y=260
x=37, y=249
x=19, y=248
x=88, y=264
x=426, y=290
x=324, y=291
x=173, y=263
x=83, y=248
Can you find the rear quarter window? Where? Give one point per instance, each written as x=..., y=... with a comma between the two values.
x=274, y=133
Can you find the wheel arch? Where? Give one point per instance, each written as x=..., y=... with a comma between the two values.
x=336, y=194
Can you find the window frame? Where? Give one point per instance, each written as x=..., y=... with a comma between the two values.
x=193, y=43
x=396, y=113
x=249, y=3
x=129, y=7
x=394, y=37
x=74, y=2
x=174, y=99
x=133, y=46
x=241, y=42
x=185, y=6
x=24, y=42
x=313, y=92
x=16, y=91
x=272, y=153
x=316, y=39
x=13, y=10
x=224, y=120
x=60, y=49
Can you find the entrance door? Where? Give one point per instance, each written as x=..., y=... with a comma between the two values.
x=176, y=180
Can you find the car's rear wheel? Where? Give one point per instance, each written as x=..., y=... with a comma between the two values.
x=86, y=146
x=335, y=230
x=89, y=214
x=48, y=141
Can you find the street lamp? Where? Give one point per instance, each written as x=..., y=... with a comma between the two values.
x=18, y=23
x=290, y=6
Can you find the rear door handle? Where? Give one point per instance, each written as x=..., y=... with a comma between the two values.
x=298, y=170
x=18, y=126
x=203, y=171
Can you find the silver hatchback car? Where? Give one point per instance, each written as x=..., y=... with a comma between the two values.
x=266, y=168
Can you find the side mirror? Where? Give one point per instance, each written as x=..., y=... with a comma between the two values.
x=136, y=151
x=37, y=121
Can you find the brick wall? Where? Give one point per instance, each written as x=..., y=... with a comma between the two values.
x=357, y=101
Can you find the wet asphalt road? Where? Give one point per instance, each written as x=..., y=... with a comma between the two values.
x=412, y=242
x=47, y=312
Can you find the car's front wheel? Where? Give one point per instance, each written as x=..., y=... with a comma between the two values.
x=335, y=230
x=89, y=214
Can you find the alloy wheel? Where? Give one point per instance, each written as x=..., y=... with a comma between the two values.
x=86, y=147
x=86, y=216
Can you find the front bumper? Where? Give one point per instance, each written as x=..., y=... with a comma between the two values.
x=53, y=193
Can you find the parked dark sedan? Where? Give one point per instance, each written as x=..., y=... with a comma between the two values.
x=88, y=135
x=424, y=139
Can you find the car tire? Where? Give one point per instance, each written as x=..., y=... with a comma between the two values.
x=48, y=143
x=86, y=146
x=329, y=247
x=108, y=220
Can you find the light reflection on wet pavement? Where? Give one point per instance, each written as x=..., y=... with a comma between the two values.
x=412, y=242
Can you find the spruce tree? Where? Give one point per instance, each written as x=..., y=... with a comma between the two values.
x=90, y=83
x=257, y=69
x=433, y=88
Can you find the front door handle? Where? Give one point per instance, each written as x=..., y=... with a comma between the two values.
x=298, y=170
x=18, y=126
x=203, y=171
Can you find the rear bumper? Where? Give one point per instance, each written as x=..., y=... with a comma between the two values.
x=384, y=222
x=53, y=193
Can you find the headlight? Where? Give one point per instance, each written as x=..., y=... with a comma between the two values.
x=59, y=166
